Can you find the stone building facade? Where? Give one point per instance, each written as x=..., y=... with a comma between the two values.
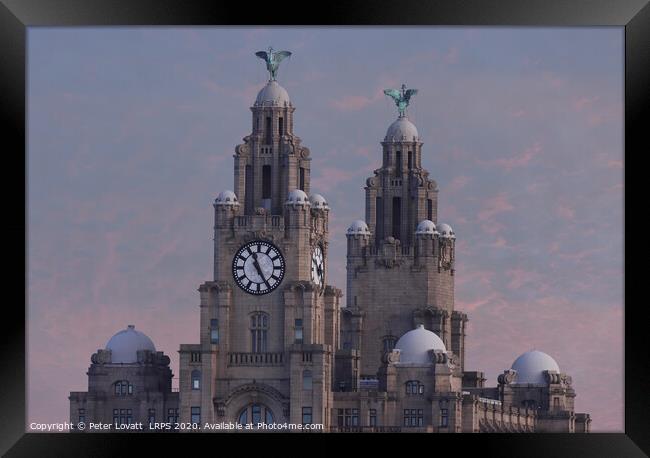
x=277, y=345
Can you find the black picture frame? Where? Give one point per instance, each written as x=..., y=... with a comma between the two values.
x=17, y=15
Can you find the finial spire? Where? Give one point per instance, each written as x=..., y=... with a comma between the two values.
x=272, y=59
x=401, y=98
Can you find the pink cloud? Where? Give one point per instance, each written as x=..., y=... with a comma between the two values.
x=553, y=80
x=330, y=178
x=352, y=102
x=519, y=277
x=565, y=212
x=579, y=256
x=518, y=160
x=458, y=183
x=584, y=102
x=494, y=206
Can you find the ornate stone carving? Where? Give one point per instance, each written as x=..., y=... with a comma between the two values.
x=507, y=377
x=446, y=254
x=242, y=150
x=392, y=356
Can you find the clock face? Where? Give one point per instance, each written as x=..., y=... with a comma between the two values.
x=318, y=266
x=258, y=267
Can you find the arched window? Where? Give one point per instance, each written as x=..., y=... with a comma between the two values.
x=123, y=388
x=196, y=380
x=414, y=387
x=259, y=331
x=306, y=380
x=256, y=413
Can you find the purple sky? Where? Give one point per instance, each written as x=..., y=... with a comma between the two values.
x=131, y=133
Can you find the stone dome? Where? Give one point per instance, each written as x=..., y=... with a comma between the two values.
x=226, y=197
x=446, y=231
x=531, y=365
x=272, y=95
x=402, y=130
x=318, y=201
x=359, y=227
x=414, y=346
x=125, y=344
x=297, y=197
x=426, y=226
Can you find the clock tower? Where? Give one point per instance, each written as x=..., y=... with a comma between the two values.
x=269, y=321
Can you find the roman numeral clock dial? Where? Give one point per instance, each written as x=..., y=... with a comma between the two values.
x=318, y=267
x=258, y=267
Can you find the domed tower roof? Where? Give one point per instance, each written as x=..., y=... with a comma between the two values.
x=125, y=344
x=446, y=231
x=318, y=201
x=414, y=346
x=297, y=197
x=226, y=197
x=272, y=95
x=358, y=227
x=426, y=227
x=402, y=130
x=531, y=365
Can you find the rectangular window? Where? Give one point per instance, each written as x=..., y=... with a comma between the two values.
x=195, y=357
x=372, y=417
x=444, y=418
x=306, y=416
x=268, y=130
x=172, y=415
x=214, y=331
x=281, y=125
x=398, y=162
x=301, y=179
x=130, y=389
x=298, y=331
x=430, y=209
x=410, y=160
x=266, y=182
x=82, y=415
x=397, y=216
x=196, y=414
x=355, y=417
x=413, y=417
x=348, y=417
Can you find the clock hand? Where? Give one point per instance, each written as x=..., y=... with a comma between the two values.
x=259, y=271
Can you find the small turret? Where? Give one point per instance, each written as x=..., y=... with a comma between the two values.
x=426, y=237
